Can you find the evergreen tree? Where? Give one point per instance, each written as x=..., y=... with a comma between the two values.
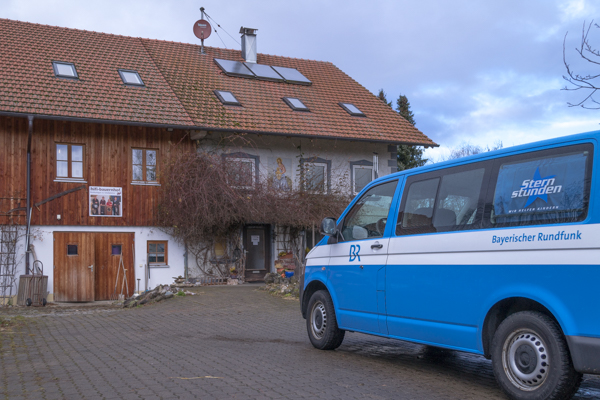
x=408, y=156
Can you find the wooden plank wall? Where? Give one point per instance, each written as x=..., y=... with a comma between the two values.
x=107, y=163
x=13, y=169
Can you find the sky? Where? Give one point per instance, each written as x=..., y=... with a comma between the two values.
x=478, y=72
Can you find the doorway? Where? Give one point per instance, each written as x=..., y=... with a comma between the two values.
x=87, y=265
x=257, y=244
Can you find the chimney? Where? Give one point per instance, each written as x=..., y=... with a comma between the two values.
x=248, y=44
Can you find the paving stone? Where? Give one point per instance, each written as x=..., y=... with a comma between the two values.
x=253, y=345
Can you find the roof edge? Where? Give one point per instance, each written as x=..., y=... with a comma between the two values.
x=206, y=128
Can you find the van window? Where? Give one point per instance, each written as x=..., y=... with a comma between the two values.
x=419, y=204
x=443, y=200
x=457, y=199
x=542, y=189
x=368, y=216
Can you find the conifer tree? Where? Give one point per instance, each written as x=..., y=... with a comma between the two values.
x=408, y=156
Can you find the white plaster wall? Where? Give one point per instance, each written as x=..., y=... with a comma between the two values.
x=340, y=152
x=44, y=248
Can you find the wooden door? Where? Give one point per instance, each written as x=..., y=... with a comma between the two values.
x=257, y=246
x=74, y=259
x=111, y=250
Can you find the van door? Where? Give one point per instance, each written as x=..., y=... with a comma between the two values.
x=359, y=259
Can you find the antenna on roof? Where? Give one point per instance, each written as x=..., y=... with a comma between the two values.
x=202, y=30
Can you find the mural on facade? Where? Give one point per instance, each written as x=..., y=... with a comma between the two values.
x=106, y=201
x=280, y=173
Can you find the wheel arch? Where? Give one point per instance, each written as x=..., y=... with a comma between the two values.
x=504, y=308
x=311, y=288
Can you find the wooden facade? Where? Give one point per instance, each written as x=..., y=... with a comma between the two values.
x=107, y=162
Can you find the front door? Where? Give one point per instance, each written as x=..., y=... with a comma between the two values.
x=74, y=258
x=257, y=246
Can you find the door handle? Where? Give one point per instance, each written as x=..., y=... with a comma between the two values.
x=377, y=246
x=91, y=267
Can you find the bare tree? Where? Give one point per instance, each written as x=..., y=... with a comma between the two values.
x=466, y=149
x=584, y=82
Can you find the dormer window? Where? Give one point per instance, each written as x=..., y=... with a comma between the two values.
x=352, y=109
x=227, y=98
x=295, y=104
x=64, y=70
x=131, y=77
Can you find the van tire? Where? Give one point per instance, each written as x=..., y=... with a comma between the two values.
x=321, y=322
x=531, y=359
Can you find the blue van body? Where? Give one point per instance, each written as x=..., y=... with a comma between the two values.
x=451, y=286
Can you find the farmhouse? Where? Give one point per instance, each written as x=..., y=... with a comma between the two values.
x=87, y=120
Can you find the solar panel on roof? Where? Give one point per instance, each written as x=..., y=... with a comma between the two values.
x=264, y=72
x=292, y=75
x=234, y=68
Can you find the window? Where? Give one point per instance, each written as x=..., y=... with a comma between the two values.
x=444, y=200
x=72, y=250
x=362, y=174
x=65, y=70
x=543, y=187
x=227, y=98
x=69, y=161
x=352, y=109
x=115, y=249
x=295, y=104
x=157, y=252
x=131, y=77
x=241, y=172
x=144, y=165
x=368, y=216
x=315, y=175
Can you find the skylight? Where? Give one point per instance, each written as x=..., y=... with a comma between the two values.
x=131, y=77
x=64, y=69
x=352, y=109
x=295, y=104
x=227, y=98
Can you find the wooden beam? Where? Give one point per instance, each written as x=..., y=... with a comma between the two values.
x=56, y=196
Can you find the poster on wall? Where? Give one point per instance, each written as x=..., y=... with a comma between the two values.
x=106, y=201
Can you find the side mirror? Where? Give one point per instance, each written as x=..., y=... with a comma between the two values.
x=328, y=227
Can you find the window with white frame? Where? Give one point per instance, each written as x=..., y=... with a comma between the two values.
x=241, y=172
x=362, y=174
x=316, y=175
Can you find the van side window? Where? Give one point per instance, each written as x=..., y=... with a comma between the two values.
x=543, y=187
x=444, y=200
x=457, y=199
x=368, y=216
x=419, y=205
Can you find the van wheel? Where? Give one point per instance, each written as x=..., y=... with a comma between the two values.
x=321, y=324
x=531, y=360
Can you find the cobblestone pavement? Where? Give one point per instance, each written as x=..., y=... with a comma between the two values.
x=225, y=343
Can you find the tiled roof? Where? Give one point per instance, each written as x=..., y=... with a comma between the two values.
x=28, y=83
x=179, y=87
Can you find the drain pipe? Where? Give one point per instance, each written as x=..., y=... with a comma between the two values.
x=28, y=212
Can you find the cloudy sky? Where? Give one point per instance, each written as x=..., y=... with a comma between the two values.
x=473, y=71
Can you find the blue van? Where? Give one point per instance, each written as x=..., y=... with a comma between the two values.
x=496, y=254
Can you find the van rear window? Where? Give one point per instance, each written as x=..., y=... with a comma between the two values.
x=540, y=189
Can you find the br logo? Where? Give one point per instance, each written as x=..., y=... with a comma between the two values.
x=354, y=250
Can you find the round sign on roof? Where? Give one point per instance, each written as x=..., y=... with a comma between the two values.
x=202, y=29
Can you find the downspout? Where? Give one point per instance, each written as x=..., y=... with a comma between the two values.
x=28, y=212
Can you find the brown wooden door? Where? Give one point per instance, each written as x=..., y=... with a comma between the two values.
x=257, y=245
x=110, y=249
x=74, y=259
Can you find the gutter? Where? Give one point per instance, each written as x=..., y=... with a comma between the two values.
x=210, y=128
